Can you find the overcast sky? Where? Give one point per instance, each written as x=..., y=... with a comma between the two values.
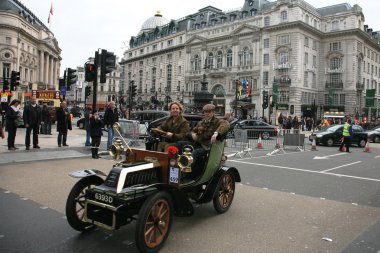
x=83, y=26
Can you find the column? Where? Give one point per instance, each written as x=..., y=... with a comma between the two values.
x=50, y=83
x=46, y=78
x=54, y=73
x=41, y=69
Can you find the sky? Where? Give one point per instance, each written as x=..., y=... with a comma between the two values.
x=83, y=26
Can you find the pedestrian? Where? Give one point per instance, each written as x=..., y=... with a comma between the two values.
x=87, y=115
x=45, y=120
x=96, y=133
x=347, y=135
x=63, y=124
x=13, y=116
x=32, y=122
x=111, y=116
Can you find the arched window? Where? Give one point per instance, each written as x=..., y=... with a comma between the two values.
x=229, y=58
x=219, y=63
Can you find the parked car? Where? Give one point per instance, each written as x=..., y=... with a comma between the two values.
x=80, y=122
x=75, y=110
x=333, y=135
x=256, y=128
x=374, y=134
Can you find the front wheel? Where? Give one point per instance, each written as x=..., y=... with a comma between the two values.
x=76, y=201
x=265, y=135
x=362, y=143
x=329, y=142
x=154, y=222
x=224, y=193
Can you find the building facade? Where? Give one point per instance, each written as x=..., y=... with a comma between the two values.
x=309, y=60
x=28, y=46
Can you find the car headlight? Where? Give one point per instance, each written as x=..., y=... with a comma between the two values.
x=319, y=135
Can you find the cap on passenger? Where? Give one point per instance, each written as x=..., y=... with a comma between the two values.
x=209, y=107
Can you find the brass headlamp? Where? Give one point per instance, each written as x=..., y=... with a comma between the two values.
x=116, y=149
x=186, y=159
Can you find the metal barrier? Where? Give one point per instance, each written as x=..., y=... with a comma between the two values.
x=130, y=129
x=244, y=141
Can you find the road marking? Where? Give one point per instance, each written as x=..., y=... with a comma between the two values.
x=311, y=171
x=377, y=156
x=344, y=165
x=327, y=156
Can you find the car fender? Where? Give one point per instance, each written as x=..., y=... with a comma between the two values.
x=210, y=190
x=86, y=173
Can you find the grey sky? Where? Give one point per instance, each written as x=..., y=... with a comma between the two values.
x=83, y=26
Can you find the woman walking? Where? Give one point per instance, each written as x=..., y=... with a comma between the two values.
x=13, y=115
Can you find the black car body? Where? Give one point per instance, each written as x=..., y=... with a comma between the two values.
x=374, y=134
x=256, y=128
x=333, y=135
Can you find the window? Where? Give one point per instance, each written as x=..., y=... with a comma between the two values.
x=314, y=84
x=210, y=60
x=307, y=19
x=335, y=63
x=246, y=60
x=342, y=99
x=31, y=76
x=154, y=72
x=6, y=70
x=196, y=63
x=219, y=60
x=169, y=56
x=335, y=46
x=8, y=40
x=335, y=25
x=314, y=45
x=267, y=21
x=179, y=70
x=169, y=77
x=283, y=57
x=266, y=43
x=284, y=40
x=154, y=48
x=306, y=58
x=232, y=18
x=314, y=61
x=229, y=58
x=266, y=59
x=284, y=16
x=265, y=78
x=305, y=81
x=306, y=41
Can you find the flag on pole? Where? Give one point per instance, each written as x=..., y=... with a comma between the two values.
x=50, y=14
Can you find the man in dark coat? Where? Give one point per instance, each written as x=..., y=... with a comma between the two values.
x=110, y=117
x=96, y=133
x=63, y=124
x=32, y=121
x=46, y=120
x=12, y=115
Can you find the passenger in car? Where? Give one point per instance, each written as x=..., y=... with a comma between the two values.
x=205, y=133
x=173, y=129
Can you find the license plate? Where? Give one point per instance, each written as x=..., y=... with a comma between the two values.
x=104, y=198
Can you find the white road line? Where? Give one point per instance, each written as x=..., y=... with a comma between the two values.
x=311, y=171
x=341, y=166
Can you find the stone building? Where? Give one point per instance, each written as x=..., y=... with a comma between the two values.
x=309, y=60
x=28, y=46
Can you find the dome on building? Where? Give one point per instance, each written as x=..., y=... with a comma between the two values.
x=151, y=23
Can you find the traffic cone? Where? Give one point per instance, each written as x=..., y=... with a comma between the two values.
x=314, y=145
x=259, y=143
x=366, y=148
x=344, y=148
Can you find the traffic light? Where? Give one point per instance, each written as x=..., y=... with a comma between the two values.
x=107, y=64
x=89, y=72
x=5, y=85
x=71, y=78
x=265, y=99
x=87, y=91
x=133, y=89
x=15, y=79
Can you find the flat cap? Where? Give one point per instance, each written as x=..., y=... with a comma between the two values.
x=209, y=107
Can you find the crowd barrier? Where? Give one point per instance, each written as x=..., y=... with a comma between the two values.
x=245, y=141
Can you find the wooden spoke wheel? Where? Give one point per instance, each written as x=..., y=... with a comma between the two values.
x=75, y=203
x=224, y=193
x=154, y=222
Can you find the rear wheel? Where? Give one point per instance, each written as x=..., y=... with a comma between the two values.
x=76, y=201
x=154, y=222
x=224, y=193
x=329, y=142
x=362, y=143
x=265, y=135
x=376, y=139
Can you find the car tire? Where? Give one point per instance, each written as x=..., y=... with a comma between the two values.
x=75, y=203
x=154, y=222
x=224, y=193
x=362, y=143
x=376, y=139
x=329, y=142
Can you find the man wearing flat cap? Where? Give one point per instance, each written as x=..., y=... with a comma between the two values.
x=204, y=134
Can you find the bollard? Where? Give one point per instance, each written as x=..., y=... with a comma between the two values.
x=366, y=147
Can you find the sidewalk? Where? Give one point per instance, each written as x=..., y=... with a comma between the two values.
x=49, y=148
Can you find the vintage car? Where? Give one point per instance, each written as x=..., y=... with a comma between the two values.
x=149, y=187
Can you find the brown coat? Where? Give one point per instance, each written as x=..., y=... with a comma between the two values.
x=180, y=128
x=205, y=130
